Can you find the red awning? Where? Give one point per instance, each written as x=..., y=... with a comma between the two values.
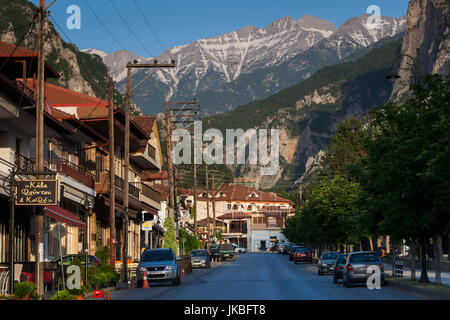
x=63, y=215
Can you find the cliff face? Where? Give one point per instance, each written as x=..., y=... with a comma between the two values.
x=427, y=29
x=79, y=71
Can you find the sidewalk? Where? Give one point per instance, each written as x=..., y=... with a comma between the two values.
x=445, y=276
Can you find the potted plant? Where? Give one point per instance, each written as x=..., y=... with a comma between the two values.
x=63, y=295
x=78, y=293
x=24, y=290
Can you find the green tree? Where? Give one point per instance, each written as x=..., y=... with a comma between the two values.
x=170, y=240
x=407, y=171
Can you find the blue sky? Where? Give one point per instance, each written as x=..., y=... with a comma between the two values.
x=179, y=22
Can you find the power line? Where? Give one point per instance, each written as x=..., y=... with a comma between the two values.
x=129, y=28
x=151, y=29
x=104, y=26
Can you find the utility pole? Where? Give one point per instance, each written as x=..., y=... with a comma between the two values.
x=214, y=209
x=40, y=101
x=112, y=173
x=207, y=202
x=195, y=198
x=186, y=120
x=127, y=155
x=126, y=178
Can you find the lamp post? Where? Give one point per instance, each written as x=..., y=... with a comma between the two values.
x=86, y=203
x=415, y=64
x=158, y=224
x=394, y=76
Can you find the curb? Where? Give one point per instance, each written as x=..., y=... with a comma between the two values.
x=419, y=292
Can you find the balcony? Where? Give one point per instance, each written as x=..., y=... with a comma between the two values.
x=147, y=159
x=71, y=170
x=102, y=187
x=24, y=164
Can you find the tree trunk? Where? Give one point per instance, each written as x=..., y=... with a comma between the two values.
x=371, y=244
x=413, y=261
x=437, y=249
x=424, y=274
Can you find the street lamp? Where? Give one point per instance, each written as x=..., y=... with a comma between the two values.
x=86, y=204
x=415, y=64
x=158, y=224
x=393, y=76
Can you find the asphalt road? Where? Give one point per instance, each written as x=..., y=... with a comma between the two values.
x=262, y=276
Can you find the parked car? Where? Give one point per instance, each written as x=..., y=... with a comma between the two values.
x=67, y=260
x=302, y=254
x=238, y=249
x=159, y=265
x=226, y=251
x=286, y=248
x=281, y=248
x=292, y=252
x=200, y=259
x=355, y=269
x=339, y=267
x=326, y=262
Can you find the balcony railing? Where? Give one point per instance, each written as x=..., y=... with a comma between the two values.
x=25, y=89
x=78, y=173
x=120, y=184
x=149, y=192
x=24, y=164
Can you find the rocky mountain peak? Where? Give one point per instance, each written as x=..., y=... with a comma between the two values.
x=310, y=22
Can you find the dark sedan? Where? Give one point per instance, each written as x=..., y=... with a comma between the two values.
x=292, y=252
x=326, y=262
x=339, y=267
x=302, y=254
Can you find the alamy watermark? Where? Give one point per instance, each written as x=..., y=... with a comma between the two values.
x=209, y=147
x=374, y=280
x=374, y=21
x=74, y=19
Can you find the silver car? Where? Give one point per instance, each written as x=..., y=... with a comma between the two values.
x=326, y=262
x=200, y=259
x=355, y=268
x=159, y=265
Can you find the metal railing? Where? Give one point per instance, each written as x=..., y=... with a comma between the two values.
x=24, y=164
x=119, y=183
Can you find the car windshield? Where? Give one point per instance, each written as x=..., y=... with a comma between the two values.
x=198, y=253
x=365, y=257
x=342, y=258
x=157, y=255
x=226, y=246
x=301, y=250
x=329, y=255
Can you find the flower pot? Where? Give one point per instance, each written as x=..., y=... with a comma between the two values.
x=79, y=298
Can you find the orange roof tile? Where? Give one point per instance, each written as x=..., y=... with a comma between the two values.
x=145, y=122
x=7, y=49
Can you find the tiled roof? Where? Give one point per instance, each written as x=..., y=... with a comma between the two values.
x=145, y=122
x=6, y=49
x=162, y=189
x=62, y=97
x=206, y=221
x=239, y=192
x=147, y=176
x=235, y=215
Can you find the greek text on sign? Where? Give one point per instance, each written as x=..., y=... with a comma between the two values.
x=36, y=193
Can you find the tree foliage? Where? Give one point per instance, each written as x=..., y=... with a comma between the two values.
x=170, y=240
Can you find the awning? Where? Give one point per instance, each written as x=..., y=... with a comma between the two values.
x=63, y=215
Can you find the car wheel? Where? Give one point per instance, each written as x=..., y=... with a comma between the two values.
x=335, y=279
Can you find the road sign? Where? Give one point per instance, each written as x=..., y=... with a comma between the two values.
x=36, y=192
x=147, y=225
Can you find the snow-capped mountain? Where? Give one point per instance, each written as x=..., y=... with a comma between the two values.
x=100, y=53
x=250, y=63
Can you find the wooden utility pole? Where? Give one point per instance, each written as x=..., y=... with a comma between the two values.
x=195, y=198
x=40, y=101
x=112, y=174
x=169, y=157
x=127, y=155
x=207, y=202
x=214, y=209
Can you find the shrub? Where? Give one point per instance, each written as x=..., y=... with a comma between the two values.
x=63, y=295
x=21, y=289
x=78, y=292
